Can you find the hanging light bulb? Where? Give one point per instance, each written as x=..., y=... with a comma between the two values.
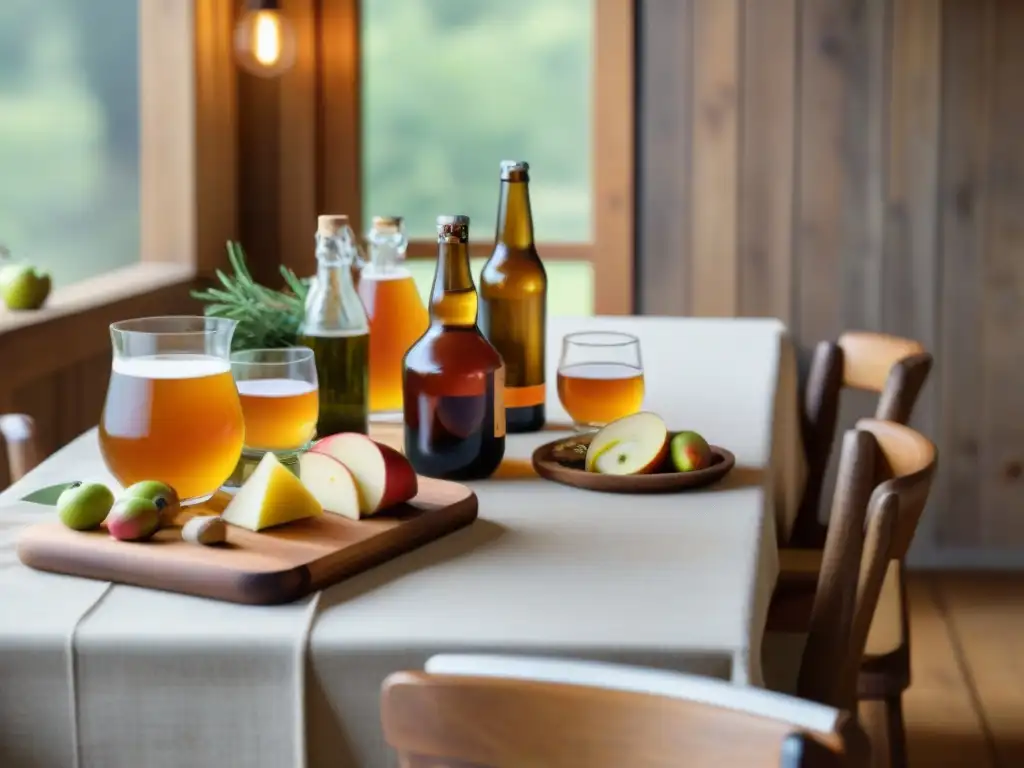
x=264, y=39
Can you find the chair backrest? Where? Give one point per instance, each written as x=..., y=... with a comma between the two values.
x=857, y=551
x=905, y=466
x=885, y=475
x=894, y=367
x=19, y=435
x=510, y=712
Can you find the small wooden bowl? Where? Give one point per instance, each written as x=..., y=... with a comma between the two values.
x=722, y=461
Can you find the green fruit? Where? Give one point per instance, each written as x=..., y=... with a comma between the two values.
x=161, y=494
x=83, y=506
x=8, y=271
x=133, y=519
x=690, y=452
x=23, y=288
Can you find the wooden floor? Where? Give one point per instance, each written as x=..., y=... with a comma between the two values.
x=965, y=707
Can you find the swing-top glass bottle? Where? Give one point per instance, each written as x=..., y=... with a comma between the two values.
x=336, y=329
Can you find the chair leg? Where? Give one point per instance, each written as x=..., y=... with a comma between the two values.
x=874, y=719
x=896, y=731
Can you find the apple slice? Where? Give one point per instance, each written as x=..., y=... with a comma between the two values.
x=330, y=482
x=383, y=476
x=633, y=445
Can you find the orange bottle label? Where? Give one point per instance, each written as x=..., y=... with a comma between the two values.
x=499, y=402
x=524, y=397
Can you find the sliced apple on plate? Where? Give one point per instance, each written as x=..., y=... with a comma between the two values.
x=633, y=445
x=331, y=483
x=383, y=476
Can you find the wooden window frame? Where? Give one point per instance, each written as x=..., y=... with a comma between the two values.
x=339, y=118
x=188, y=202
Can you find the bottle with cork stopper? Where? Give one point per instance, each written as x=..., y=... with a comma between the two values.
x=336, y=329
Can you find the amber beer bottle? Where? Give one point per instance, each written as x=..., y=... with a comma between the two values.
x=513, y=289
x=453, y=379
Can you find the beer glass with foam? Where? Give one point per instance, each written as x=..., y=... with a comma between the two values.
x=172, y=411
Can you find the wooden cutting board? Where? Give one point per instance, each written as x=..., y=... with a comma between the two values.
x=275, y=566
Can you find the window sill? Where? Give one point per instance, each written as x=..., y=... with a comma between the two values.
x=73, y=325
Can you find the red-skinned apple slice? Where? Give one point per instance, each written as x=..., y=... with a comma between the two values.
x=331, y=483
x=633, y=445
x=383, y=476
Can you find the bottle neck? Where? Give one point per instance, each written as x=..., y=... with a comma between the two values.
x=515, y=219
x=453, y=300
x=332, y=303
x=386, y=252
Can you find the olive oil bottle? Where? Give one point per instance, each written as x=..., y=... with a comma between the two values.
x=513, y=306
x=336, y=329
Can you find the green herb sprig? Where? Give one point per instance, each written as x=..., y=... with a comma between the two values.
x=267, y=319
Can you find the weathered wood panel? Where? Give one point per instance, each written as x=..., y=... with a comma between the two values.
x=847, y=164
x=664, y=168
x=767, y=158
x=715, y=153
x=966, y=111
x=1002, y=456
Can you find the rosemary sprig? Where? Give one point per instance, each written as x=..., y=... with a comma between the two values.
x=266, y=318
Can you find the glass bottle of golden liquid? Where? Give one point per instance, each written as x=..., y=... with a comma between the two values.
x=395, y=310
x=513, y=308
x=453, y=385
x=336, y=329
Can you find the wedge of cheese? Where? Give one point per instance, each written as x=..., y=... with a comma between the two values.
x=271, y=496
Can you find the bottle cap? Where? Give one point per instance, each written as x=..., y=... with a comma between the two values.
x=330, y=224
x=515, y=170
x=455, y=225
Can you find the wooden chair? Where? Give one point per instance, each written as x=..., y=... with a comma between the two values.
x=903, y=464
x=894, y=367
x=514, y=712
x=833, y=604
x=19, y=435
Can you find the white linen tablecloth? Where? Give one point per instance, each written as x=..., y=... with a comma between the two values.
x=98, y=675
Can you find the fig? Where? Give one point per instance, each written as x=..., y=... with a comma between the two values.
x=83, y=506
x=133, y=519
x=572, y=452
x=161, y=494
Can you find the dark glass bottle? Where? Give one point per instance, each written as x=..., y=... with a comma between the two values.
x=335, y=328
x=453, y=379
x=513, y=307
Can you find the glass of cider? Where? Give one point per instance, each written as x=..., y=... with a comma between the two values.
x=600, y=377
x=280, y=399
x=172, y=412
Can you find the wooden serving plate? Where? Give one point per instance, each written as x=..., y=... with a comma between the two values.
x=277, y=565
x=548, y=467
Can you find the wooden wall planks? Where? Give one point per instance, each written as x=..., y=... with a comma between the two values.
x=1002, y=457
x=853, y=164
x=767, y=159
x=664, y=165
x=64, y=404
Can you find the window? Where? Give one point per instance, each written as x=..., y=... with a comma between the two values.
x=446, y=89
x=451, y=87
x=69, y=135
